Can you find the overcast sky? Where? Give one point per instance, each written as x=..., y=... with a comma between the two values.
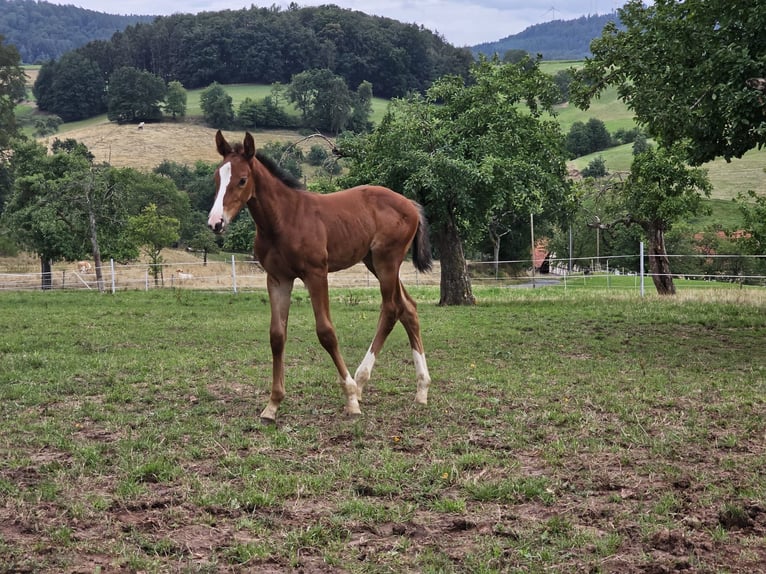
x=461, y=22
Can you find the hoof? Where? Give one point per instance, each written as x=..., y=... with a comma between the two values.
x=267, y=422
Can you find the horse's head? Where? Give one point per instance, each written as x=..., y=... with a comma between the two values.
x=234, y=181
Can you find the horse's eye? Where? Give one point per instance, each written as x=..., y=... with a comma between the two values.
x=242, y=182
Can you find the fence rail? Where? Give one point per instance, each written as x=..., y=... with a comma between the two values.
x=235, y=276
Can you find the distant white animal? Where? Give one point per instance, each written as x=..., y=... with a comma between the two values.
x=183, y=276
x=141, y=126
x=84, y=267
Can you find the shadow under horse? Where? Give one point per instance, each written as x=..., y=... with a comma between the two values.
x=303, y=235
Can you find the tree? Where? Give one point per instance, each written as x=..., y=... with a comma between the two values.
x=154, y=232
x=73, y=88
x=175, y=100
x=660, y=191
x=596, y=168
x=217, y=106
x=323, y=98
x=135, y=96
x=689, y=70
x=12, y=91
x=47, y=125
x=753, y=207
x=36, y=214
x=468, y=151
x=362, y=109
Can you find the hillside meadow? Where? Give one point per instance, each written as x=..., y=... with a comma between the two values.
x=585, y=431
x=189, y=141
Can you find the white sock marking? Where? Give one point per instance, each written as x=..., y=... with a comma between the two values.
x=422, y=377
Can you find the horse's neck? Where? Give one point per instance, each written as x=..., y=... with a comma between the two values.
x=273, y=201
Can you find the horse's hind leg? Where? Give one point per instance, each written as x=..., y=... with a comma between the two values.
x=396, y=305
x=411, y=323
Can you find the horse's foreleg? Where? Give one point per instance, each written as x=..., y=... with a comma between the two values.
x=279, y=298
x=320, y=302
x=386, y=324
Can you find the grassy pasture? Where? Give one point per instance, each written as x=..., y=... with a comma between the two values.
x=584, y=431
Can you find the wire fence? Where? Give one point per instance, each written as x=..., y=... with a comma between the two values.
x=233, y=275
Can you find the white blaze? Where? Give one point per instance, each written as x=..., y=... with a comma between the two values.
x=216, y=212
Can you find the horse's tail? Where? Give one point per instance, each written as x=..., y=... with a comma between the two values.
x=421, y=245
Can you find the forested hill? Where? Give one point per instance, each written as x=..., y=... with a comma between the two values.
x=43, y=31
x=556, y=40
x=267, y=45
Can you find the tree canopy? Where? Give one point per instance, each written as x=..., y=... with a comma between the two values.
x=469, y=152
x=12, y=91
x=689, y=70
x=267, y=45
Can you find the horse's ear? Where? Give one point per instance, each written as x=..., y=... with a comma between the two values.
x=249, y=146
x=221, y=144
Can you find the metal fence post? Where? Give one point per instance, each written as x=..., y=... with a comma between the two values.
x=641, y=266
x=233, y=275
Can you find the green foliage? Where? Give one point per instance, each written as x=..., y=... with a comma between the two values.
x=216, y=106
x=38, y=210
x=153, y=232
x=562, y=79
x=73, y=88
x=588, y=137
x=596, y=168
x=323, y=99
x=264, y=113
x=175, y=100
x=451, y=151
x=753, y=207
x=317, y=155
x=135, y=96
x=240, y=235
x=12, y=90
x=47, y=125
x=688, y=70
x=286, y=155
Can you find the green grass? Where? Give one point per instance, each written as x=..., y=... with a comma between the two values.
x=239, y=92
x=567, y=430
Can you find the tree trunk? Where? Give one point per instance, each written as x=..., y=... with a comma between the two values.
x=455, y=286
x=46, y=274
x=659, y=264
x=96, y=250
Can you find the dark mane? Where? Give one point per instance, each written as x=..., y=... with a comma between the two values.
x=285, y=177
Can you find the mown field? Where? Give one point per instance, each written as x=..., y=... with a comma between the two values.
x=574, y=431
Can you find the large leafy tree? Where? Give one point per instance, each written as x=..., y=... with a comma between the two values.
x=12, y=90
x=469, y=152
x=660, y=191
x=35, y=215
x=690, y=70
x=135, y=96
x=73, y=88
